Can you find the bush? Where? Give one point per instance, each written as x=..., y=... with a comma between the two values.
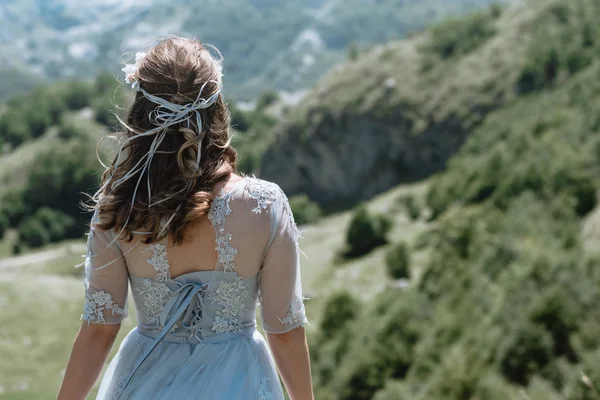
x=412, y=206
x=13, y=208
x=39, y=117
x=558, y=314
x=266, y=99
x=33, y=233
x=13, y=128
x=104, y=112
x=383, y=348
x=59, y=225
x=68, y=130
x=248, y=161
x=4, y=225
x=366, y=232
x=582, y=189
x=394, y=390
x=46, y=226
x=105, y=83
x=260, y=122
x=496, y=10
x=494, y=387
x=525, y=352
x=77, y=94
x=457, y=36
x=456, y=377
x=397, y=261
x=339, y=309
x=59, y=176
x=585, y=381
x=305, y=211
x=540, y=389
x=564, y=42
x=17, y=248
x=240, y=120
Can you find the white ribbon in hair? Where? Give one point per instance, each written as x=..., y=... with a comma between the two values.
x=167, y=114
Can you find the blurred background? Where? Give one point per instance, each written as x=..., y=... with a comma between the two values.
x=442, y=157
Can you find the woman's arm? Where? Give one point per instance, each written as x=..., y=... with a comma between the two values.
x=106, y=286
x=290, y=351
x=90, y=350
x=282, y=302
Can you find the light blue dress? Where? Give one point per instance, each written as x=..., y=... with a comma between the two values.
x=197, y=337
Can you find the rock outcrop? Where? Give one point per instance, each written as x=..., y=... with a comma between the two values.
x=396, y=114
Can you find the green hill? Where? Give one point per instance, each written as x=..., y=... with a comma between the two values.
x=398, y=112
x=504, y=307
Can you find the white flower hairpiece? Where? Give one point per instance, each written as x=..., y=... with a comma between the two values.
x=130, y=70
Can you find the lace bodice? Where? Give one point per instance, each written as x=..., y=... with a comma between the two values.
x=256, y=246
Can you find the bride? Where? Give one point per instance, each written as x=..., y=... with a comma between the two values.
x=199, y=245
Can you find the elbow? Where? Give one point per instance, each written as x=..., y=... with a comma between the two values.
x=100, y=333
x=287, y=337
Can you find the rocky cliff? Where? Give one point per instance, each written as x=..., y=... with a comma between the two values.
x=399, y=111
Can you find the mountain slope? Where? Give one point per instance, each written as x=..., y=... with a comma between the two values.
x=505, y=305
x=267, y=44
x=400, y=111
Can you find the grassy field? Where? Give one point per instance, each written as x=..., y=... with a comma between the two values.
x=40, y=314
x=40, y=303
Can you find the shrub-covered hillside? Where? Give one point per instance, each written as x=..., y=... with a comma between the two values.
x=399, y=111
x=506, y=306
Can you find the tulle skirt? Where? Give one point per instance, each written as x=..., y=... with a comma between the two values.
x=236, y=368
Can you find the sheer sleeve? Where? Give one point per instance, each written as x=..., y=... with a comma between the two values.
x=106, y=279
x=280, y=286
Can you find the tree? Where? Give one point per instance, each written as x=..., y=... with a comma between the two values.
x=266, y=99
x=59, y=177
x=366, y=232
x=33, y=233
x=397, y=261
x=305, y=211
x=13, y=128
x=340, y=308
x=3, y=224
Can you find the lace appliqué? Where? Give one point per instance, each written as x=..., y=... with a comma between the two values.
x=219, y=210
x=263, y=391
x=296, y=315
x=159, y=261
x=264, y=193
x=155, y=294
x=226, y=252
x=96, y=304
x=231, y=295
x=155, y=291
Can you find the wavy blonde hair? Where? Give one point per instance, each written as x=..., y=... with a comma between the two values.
x=182, y=192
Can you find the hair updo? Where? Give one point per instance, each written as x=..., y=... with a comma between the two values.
x=182, y=191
